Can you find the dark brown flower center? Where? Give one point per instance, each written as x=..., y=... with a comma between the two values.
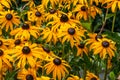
x=81, y=45
x=9, y=16
x=71, y=31
x=1, y=43
x=1, y=52
x=57, y=61
x=105, y=44
x=98, y=37
x=93, y=78
x=38, y=14
x=64, y=18
x=26, y=50
x=84, y=8
x=17, y=42
x=46, y=49
x=52, y=11
x=29, y=77
x=25, y=26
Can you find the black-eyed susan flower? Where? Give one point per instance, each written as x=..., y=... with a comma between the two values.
x=93, y=37
x=104, y=47
x=63, y=20
x=36, y=15
x=93, y=11
x=73, y=77
x=91, y=76
x=25, y=31
x=5, y=58
x=58, y=67
x=81, y=11
x=46, y=52
x=8, y=19
x=15, y=42
x=71, y=34
x=50, y=35
x=27, y=54
x=113, y=4
x=52, y=14
x=81, y=48
x=27, y=74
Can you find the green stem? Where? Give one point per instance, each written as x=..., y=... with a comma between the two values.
x=113, y=22
x=106, y=70
x=84, y=73
x=104, y=22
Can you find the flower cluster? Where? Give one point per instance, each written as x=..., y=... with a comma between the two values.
x=54, y=40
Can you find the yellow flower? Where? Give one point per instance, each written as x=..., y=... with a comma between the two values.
x=104, y=47
x=8, y=18
x=113, y=4
x=36, y=15
x=47, y=52
x=49, y=35
x=93, y=37
x=27, y=54
x=81, y=48
x=52, y=14
x=57, y=67
x=74, y=78
x=93, y=10
x=81, y=11
x=25, y=74
x=91, y=76
x=72, y=34
x=15, y=42
x=63, y=20
x=5, y=58
x=25, y=31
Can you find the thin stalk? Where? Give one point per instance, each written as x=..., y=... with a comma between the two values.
x=113, y=22
x=104, y=22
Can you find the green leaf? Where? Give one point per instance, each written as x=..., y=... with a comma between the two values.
x=109, y=15
x=87, y=25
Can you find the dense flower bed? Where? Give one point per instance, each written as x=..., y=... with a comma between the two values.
x=59, y=40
